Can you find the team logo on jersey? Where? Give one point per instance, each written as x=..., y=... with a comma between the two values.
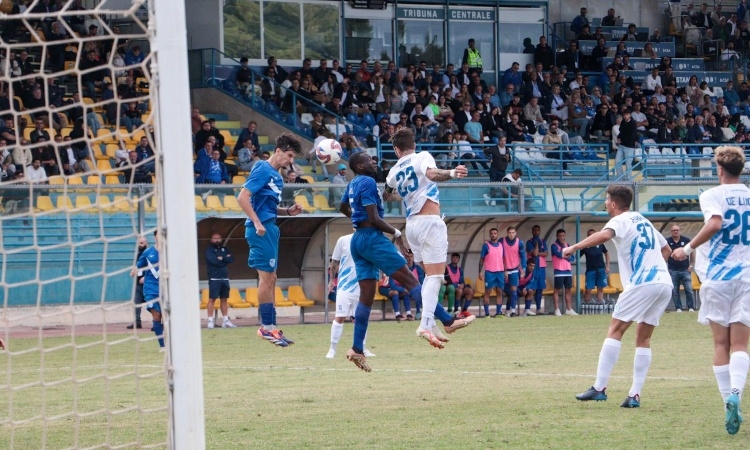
x=272, y=262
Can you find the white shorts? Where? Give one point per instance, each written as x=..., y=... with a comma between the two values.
x=346, y=303
x=643, y=304
x=725, y=302
x=427, y=236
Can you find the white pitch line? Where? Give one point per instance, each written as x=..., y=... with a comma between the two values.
x=334, y=369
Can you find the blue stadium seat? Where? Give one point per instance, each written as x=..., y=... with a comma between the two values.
x=271, y=107
x=368, y=120
x=353, y=118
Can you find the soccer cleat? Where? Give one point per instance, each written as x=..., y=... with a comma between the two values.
x=459, y=323
x=228, y=324
x=441, y=337
x=368, y=353
x=399, y=317
x=331, y=354
x=529, y=312
x=678, y=310
x=632, y=402
x=464, y=314
x=592, y=394
x=570, y=312
x=409, y=317
x=558, y=313
x=691, y=310
x=428, y=336
x=286, y=339
x=733, y=417
x=358, y=359
x=274, y=336
x=210, y=325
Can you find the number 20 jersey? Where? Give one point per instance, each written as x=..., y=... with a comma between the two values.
x=727, y=255
x=409, y=177
x=639, y=247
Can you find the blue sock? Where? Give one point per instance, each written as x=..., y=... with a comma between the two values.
x=538, y=299
x=361, y=320
x=513, y=299
x=266, y=313
x=394, y=302
x=467, y=303
x=527, y=305
x=159, y=332
x=442, y=315
x=486, y=309
x=499, y=308
x=407, y=303
x=273, y=310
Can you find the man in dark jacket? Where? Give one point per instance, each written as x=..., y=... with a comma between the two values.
x=217, y=258
x=138, y=298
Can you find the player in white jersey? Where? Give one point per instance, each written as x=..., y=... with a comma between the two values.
x=343, y=270
x=642, y=254
x=414, y=178
x=723, y=265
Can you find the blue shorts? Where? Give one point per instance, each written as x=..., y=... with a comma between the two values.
x=218, y=289
x=513, y=278
x=539, y=280
x=152, y=303
x=264, y=250
x=371, y=252
x=493, y=280
x=596, y=278
x=565, y=281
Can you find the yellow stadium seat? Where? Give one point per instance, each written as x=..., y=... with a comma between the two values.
x=228, y=138
x=66, y=131
x=64, y=203
x=321, y=203
x=251, y=296
x=44, y=203
x=582, y=281
x=297, y=296
x=302, y=200
x=205, y=300
x=104, y=203
x=122, y=203
x=236, y=301
x=83, y=203
x=213, y=203
x=238, y=179
x=75, y=180
x=112, y=179
x=610, y=290
x=93, y=180
x=615, y=282
x=104, y=165
x=199, y=205
x=279, y=298
x=56, y=180
x=230, y=203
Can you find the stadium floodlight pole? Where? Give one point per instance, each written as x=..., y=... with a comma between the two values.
x=180, y=273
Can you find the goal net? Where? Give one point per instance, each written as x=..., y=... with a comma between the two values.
x=84, y=117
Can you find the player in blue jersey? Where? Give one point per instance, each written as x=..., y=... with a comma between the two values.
x=372, y=252
x=642, y=253
x=723, y=265
x=259, y=199
x=149, y=261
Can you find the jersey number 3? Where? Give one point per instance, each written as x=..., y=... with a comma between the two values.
x=407, y=182
x=647, y=238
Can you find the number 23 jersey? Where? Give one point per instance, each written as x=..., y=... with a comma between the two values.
x=409, y=178
x=727, y=255
x=638, y=250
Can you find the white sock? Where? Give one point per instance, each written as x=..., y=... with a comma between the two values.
x=739, y=362
x=724, y=381
x=226, y=319
x=607, y=360
x=641, y=363
x=430, y=290
x=336, y=330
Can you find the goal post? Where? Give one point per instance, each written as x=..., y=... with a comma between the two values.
x=181, y=274
x=72, y=209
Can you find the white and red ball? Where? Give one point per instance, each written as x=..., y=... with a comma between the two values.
x=328, y=151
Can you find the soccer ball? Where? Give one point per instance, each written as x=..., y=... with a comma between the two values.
x=328, y=151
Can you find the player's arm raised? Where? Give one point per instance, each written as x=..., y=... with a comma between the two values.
x=435, y=174
x=597, y=238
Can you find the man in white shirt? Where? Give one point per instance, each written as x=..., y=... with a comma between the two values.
x=35, y=173
x=649, y=84
x=723, y=252
x=642, y=254
x=640, y=118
